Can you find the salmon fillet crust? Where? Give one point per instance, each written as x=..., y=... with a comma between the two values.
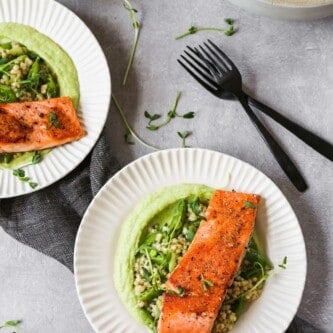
x=38, y=125
x=214, y=255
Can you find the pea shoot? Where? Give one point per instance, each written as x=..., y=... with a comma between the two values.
x=136, y=27
x=229, y=31
x=184, y=135
x=172, y=113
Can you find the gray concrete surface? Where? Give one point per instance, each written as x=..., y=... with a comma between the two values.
x=288, y=65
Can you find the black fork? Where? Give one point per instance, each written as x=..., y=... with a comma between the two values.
x=211, y=67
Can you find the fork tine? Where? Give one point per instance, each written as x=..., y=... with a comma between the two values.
x=198, y=70
x=223, y=55
x=218, y=67
x=196, y=77
x=211, y=68
x=202, y=66
x=225, y=67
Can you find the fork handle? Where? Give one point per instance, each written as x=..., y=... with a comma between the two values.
x=320, y=145
x=282, y=158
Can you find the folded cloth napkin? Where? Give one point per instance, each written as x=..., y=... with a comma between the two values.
x=48, y=219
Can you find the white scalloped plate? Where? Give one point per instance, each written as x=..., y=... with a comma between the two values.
x=98, y=233
x=66, y=29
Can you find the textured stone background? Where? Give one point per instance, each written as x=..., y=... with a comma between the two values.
x=288, y=65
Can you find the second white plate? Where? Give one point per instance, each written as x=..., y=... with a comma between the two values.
x=65, y=28
x=97, y=236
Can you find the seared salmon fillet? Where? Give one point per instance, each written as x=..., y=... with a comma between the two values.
x=197, y=286
x=38, y=125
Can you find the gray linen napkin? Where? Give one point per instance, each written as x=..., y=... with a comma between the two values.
x=48, y=219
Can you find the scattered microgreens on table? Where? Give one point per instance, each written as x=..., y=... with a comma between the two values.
x=229, y=31
x=136, y=27
x=170, y=115
x=10, y=323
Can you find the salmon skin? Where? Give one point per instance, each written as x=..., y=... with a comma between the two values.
x=38, y=125
x=197, y=286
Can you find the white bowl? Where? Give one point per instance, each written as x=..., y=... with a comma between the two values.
x=288, y=9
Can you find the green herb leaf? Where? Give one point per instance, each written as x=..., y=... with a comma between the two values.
x=11, y=323
x=195, y=206
x=229, y=21
x=238, y=307
x=7, y=95
x=52, y=89
x=7, y=158
x=188, y=115
x=192, y=30
x=33, y=185
x=206, y=283
x=36, y=158
x=172, y=262
x=249, y=204
x=183, y=136
x=147, y=115
x=230, y=31
x=54, y=120
x=180, y=291
x=19, y=173
x=33, y=75
x=172, y=114
x=150, y=294
x=283, y=265
x=152, y=127
x=189, y=234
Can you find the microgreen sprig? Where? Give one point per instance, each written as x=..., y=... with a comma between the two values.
x=258, y=285
x=172, y=113
x=10, y=323
x=136, y=27
x=183, y=136
x=130, y=132
x=229, y=31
